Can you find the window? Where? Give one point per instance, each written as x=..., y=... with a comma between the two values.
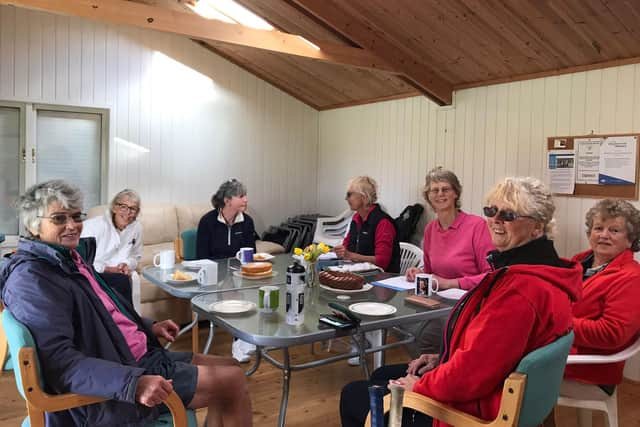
x=59, y=143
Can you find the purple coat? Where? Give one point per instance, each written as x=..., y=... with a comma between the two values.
x=80, y=348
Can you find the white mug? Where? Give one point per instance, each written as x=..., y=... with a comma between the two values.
x=245, y=255
x=426, y=284
x=167, y=259
x=208, y=274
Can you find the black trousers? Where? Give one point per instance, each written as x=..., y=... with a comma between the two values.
x=354, y=399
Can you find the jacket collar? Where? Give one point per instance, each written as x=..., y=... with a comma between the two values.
x=239, y=218
x=538, y=251
x=359, y=220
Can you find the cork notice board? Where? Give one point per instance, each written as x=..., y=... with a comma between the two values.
x=599, y=185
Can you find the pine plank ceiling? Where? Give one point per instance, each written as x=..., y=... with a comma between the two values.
x=373, y=50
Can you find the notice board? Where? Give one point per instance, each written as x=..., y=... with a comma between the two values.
x=594, y=165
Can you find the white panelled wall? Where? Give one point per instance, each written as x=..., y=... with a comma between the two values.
x=202, y=118
x=490, y=132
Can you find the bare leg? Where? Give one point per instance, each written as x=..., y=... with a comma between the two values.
x=222, y=388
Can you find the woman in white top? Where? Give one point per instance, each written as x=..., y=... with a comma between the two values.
x=119, y=239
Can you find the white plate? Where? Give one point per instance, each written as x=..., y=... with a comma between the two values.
x=266, y=276
x=232, y=306
x=365, y=288
x=264, y=256
x=181, y=282
x=372, y=308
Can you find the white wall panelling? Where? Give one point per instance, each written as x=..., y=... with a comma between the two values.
x=202, y=118
x=490, y=132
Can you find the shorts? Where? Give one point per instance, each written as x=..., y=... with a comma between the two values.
x=174, y=366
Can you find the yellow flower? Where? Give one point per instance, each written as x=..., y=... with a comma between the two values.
x=307, y=256
x=324, y=248
x=297, y=251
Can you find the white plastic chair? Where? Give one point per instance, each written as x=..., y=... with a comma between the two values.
x=410, y=256
x=332, y=230
x=608, y=404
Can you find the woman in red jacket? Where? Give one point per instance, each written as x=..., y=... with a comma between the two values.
x=606, y=319
x=523, y=304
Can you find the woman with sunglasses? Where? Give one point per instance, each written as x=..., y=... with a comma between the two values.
x=606, y=319
x=372, y=233
x=118, y=236
x=89, y=338
x=524, y=303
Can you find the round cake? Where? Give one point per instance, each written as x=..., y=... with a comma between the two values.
x=257, y=269
x=341, y=280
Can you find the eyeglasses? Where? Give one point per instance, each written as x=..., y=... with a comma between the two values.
x=443, y=190
x=351, y=193
x=63, y=219
x=505, y=215
x=130, y=209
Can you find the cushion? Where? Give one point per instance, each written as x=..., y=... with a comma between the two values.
x=269, y=247
x=189, y=215
x=159, y=224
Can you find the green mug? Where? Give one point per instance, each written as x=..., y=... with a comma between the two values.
x=268, y=298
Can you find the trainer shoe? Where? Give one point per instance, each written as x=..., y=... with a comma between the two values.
x=238, y=352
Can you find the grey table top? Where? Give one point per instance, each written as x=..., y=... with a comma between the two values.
x=227, y=281
x=272, y=330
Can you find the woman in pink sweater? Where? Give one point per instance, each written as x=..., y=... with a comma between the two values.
x=455, y=243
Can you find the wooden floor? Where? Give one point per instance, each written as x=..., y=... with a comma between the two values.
x=314, y=395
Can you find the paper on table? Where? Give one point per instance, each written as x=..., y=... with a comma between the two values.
x=328, y=255
x=398, y=283
x=453, y=293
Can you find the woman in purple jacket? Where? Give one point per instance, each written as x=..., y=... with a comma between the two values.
x=90, y=339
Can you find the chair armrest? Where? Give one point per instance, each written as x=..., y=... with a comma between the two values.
x=621, y=356
x=512, y=394
x=177, y=247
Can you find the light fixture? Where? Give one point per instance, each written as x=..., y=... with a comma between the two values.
x=131, y=145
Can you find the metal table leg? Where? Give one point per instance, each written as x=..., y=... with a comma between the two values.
x=254, y=368
x=286, y=378
x=209, y=338
x=361, y=343
x=378, y=339
x=187, y=328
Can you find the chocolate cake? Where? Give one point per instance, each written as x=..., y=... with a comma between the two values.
x=339, y=280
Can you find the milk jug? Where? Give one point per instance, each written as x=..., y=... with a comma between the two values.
x=295, y=294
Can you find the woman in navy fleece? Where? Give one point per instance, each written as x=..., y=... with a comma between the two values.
x=227, y=228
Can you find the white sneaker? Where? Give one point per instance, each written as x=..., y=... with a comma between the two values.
x=246, y=347
x=355, y=360
x=238, y=352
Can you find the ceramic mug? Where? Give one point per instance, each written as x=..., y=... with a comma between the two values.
x=268, y=298
x=208, y=275
x=426, y=284
x=245, y=255
x=165, y=259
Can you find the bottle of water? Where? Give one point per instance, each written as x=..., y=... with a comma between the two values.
x=295, y=294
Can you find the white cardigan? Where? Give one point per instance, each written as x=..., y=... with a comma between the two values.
x=113, y=246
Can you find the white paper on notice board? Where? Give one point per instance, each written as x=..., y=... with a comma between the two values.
x=587, y=159
x=618, y=160
x=562, y=171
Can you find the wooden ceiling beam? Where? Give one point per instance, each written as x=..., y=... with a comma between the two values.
x=124, y=12
x=420, y=75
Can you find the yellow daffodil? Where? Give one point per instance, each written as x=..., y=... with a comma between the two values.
x=297, y=251
x=307, y=256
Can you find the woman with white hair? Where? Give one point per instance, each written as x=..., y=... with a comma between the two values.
x=118, y=236
x=89, y=338
x=372, y=234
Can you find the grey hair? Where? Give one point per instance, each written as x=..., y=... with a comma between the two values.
x=36, y=200
x=526, y=196
x=366, y=186
x=227, y=190
x=128, y=193
x=439, y=174
x=612, y=208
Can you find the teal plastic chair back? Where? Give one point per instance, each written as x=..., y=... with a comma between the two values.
x=18, y=336
x=189, y=244
x=544, y=368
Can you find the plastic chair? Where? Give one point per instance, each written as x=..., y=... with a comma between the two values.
x=608, y=404
x=29, y=383
x=410, y=256
x=332, y=230
x=528, y=394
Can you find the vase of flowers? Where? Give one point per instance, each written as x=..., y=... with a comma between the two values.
x=310, y=254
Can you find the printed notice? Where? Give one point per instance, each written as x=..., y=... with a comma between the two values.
x=588, y=160
x=618, y=160
x=562, y=171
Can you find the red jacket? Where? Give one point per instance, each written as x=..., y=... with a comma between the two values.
x=527, y=307
x=606, y=319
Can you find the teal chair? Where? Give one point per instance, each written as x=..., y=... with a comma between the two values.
x=29, y=383
x=185, y=245
x=528, y=395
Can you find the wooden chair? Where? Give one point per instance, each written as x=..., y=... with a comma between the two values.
x=528, y=394
x=29, y=383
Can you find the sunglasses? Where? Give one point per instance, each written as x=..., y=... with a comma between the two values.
x=505, y=215
x=62, y=219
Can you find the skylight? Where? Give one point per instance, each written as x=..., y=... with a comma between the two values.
x=229, y=11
